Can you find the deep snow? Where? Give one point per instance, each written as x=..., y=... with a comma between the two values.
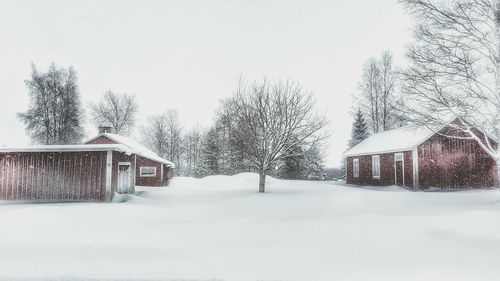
x=220, y=228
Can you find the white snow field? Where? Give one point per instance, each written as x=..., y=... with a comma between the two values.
x=220, y=228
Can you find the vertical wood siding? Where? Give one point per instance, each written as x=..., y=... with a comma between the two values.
x=455, y=164
x=53, y=176
x=147, y=181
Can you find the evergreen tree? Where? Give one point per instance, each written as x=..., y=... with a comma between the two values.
x=359, y=129
x=210, y=155
x=302, y=165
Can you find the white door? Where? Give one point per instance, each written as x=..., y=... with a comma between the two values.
x=124, y=178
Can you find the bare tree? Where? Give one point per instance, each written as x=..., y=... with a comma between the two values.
x=162, y=134
x=174, y=138
x=55, y=114
x=156, y=135
x=117, y=111
x=192, y=143
x=455, y=68
x=271, y=119
x=377, y=98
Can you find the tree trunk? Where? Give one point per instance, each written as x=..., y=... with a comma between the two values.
x=497, y=81
x=498, y=172
x=262, y=181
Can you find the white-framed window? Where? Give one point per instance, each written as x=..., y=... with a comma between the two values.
x=399, y=156
x=355, y=167
x=376, y=166
x=148, y=171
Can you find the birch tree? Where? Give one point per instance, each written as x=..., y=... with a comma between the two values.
x=377, y=96
x=192, y=143
x=162, y=134
x=455, y=68
x=271, y=119
x=156, y=135
x=116, y=110
x=54, y=114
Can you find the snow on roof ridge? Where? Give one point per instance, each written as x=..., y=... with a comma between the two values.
x=67, y=147
x=398, y=139
x=138, y=148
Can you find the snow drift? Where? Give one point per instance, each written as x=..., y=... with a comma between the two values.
x=221, y=228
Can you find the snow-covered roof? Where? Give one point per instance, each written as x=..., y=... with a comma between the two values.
x=67, y=148
x=136, y=147
x=401, y=139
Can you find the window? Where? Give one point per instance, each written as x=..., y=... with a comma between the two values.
x=148, y=171
x=399, y=156
x=355, y=167
x=376, y=166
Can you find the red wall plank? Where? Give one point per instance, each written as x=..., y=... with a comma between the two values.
x=455, y=164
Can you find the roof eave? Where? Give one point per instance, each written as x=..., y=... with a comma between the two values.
x=379, y=152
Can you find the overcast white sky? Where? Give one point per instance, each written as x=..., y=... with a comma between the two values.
x=186, y=55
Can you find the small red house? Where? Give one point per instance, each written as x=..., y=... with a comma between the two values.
x=64, y=172
x=420, y=158
x=95, y=171
x=150, y=169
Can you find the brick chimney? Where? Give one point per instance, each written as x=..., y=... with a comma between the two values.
x=105, y=129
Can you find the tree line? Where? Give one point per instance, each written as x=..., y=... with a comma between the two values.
x=268, y=127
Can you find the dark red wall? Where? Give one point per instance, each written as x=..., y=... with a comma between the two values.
x=386, y=170
x=53, y=176
x=147, y=181
x=101, y=140
x=141, y=162
x=455, y=164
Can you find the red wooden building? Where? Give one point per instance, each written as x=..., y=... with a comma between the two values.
x=108, y=164
x=150, y=169
x=420, y=158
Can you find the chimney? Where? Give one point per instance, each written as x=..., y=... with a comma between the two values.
x=105, y=129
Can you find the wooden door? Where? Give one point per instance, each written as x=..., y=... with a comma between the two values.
x=124, y=178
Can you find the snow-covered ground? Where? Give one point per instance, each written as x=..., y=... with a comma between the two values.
x=220, y=228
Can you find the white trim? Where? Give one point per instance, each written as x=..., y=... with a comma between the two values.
x=147, y=176
x=373, y=166
x=135, y=170
x=402, y=167
x=355, y=168
x=109, y=172
x=379, y=152
x=132, y=187
x=346, y=167
x=161, y=173
x=415, y=168
x=67, y=148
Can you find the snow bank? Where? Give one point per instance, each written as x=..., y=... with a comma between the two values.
x=221, y=228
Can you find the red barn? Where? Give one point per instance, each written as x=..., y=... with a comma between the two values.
x=151, y=170
x=108, y=164
x=420, y=158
